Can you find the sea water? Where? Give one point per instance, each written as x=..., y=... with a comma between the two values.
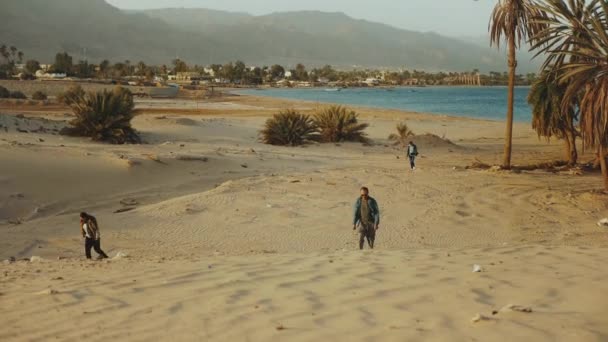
x=476, y=102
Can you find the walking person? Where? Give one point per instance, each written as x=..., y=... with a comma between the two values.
x=367, y=216
x=92, y=238
x=412, y=153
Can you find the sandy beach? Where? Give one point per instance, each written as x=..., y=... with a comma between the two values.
x=214, y=236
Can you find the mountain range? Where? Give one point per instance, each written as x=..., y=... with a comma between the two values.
x=97, y=30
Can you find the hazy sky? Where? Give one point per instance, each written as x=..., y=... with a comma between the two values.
x=448, y=17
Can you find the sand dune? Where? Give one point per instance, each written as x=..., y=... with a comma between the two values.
x=232, y=240
x=389, y=296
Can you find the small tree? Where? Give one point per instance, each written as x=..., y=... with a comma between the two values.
x=402, y=136
x=338, y=124
x=32, y=66
x=288, y=128
x=103, y=116
x=63, y=64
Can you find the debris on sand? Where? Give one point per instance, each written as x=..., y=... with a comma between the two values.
x=244, y=166
x=603, y=223
x=516, y=308
x=129, y=202
x=478, y=165
x=36, y=259
x=124, y=210
x=155, y=158
x=477, y=268
x=192, y=158
x=120, y=255
x=47, y=292
x=280, y=327
x=478, y=318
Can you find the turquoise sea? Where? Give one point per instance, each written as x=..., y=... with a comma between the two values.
x=477, y=102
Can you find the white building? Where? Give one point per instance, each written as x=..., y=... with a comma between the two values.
x=372, y=82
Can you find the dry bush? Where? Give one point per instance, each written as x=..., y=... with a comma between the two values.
x=402, y=136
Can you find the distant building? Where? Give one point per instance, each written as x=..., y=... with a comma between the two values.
x=411, y=81
x=323, y=80
x=372, y=81
x=188, y=76
x=210, y=72
x=288, y=74
x=44, y=75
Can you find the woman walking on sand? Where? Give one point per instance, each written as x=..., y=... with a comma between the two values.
x=91, y=235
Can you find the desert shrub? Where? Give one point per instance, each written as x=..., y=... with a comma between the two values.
x=4, y=93
x=18, y=95
x=103, y=116
x=288, y=128
x=338, y=124
x=71, y=95
x=403, y=134
x=39, y=96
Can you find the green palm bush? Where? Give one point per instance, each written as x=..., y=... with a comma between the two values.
x=549, y=117
x=288, y=128
x=403, y=134
x=339, y=124
x=103, y=116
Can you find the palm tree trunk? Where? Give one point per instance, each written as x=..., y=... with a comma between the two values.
x=604, y=167
x=573, y=151
x=567, y=147
x=509, y=131
x=570, y=151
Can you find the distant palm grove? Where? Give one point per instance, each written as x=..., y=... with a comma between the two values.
x=14, y=66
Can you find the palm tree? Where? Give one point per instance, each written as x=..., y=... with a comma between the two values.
x=578, y=49
x=402, y=135
x=102, y=116
x=288, y=128
x=512, y=20
x=339, y=124
x=549, y=118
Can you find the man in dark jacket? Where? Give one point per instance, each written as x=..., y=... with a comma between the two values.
x=92, y=237
x=367, y=215
x=412, y=153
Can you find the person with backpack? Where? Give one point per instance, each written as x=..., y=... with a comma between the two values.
x=412, y=153
x=92, y=238
x=367, y=216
